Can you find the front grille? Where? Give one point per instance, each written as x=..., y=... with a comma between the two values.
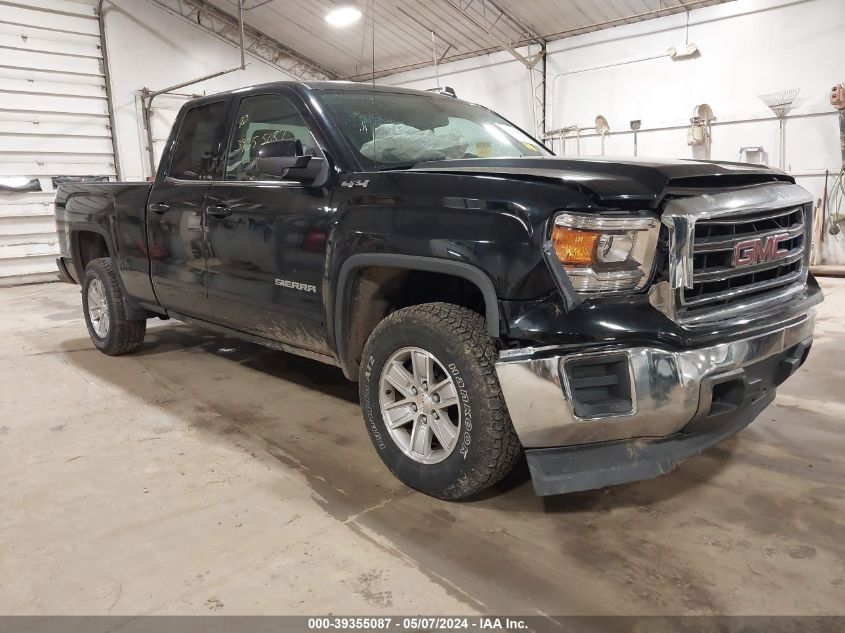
x=717, y=281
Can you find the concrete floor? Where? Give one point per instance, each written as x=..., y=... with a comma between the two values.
x=204, y=475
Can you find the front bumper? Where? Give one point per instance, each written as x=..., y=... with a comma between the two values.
x=666, y=405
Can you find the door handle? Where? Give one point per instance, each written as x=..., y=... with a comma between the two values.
x=159, y=207
x=219, y=211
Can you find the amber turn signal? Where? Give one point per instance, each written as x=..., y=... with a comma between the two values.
x=575, y=247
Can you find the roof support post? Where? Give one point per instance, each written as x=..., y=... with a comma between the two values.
x=536, y=66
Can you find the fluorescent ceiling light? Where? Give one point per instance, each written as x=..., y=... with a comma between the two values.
x=343, y=16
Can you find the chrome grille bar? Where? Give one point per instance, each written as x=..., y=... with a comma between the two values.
x=734, y=293
x=725, y=243
x=743, y=218
x=743, y=309
x=722, y=272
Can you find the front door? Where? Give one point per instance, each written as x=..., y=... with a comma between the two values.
x=267, y=236
x=175, y=212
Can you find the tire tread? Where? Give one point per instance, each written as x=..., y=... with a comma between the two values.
x=127, y=335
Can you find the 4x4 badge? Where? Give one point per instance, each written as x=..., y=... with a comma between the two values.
x=355, y=183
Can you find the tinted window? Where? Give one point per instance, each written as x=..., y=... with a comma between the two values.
x=195, y=156
x=260, y=120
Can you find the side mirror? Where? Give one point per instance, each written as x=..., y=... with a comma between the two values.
x=286, y=159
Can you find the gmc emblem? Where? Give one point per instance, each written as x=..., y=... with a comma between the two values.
x=759, y=250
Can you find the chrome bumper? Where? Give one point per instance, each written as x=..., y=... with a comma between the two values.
x=668, y=389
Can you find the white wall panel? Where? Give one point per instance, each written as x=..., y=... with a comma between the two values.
x=27, y=239
x=21, y=38
x=54, y=128
x=11, y=199
x=64, y=165
x=28, y=269
x=53, y=122
x=27, y=225
x=17, y=246
x=30, y=144
x=46, y=74
x=50, y=15
x=57, y=64
x=20, y=85
x=51, y=103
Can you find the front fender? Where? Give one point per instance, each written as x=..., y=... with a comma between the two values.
x=342, y=315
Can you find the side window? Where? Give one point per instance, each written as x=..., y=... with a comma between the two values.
x=194, y=155
x=262, y=119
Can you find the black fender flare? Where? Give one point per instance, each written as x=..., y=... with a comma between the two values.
x=75, y=253
x=466, y=271
x=133, y=311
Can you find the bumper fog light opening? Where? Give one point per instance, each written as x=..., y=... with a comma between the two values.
x=599, y=386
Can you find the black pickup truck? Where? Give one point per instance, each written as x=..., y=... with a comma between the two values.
x=606, y=317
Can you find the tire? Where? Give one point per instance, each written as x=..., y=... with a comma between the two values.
x=112, y=333
x=485, y=447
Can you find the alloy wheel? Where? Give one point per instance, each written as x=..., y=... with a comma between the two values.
x=419, y=405
x=98, y=308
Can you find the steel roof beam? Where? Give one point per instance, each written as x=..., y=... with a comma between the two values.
x=577, y=30
x=524, y=28
x=219, y=23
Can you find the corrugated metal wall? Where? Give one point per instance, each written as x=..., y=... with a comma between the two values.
x=53, y=122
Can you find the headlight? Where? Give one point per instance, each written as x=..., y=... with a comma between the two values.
x=605, y=254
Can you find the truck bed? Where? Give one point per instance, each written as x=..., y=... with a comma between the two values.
x=114, y=210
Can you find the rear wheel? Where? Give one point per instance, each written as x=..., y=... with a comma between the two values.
x=105, y=313
x=432, y=402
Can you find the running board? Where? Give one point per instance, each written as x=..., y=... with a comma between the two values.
x=252, y=338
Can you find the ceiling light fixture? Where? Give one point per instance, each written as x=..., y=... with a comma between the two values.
x=343, y=16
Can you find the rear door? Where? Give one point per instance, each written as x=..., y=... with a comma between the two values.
x=267, y=237
x=175, y=211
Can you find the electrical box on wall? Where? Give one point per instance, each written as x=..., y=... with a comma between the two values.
x=696, y=134
x=699, y=135
x=837, y=96
x=755, y=155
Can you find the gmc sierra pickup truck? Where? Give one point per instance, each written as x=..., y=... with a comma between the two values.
x=607, y=318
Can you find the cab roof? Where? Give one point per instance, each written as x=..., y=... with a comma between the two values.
x=305, y=87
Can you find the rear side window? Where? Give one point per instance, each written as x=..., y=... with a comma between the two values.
x=196, y=155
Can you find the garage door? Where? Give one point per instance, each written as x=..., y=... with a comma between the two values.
x=54, y=124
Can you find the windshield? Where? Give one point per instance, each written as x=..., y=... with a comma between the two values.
x=390, y=130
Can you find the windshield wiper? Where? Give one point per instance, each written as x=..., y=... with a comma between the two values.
x=396, y=166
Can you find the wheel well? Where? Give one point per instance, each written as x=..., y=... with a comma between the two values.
x=90, y=245
x=378, y=291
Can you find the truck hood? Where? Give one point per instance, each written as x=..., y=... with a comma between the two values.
x=615, y=179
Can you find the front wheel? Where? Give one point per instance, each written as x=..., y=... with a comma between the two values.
x=105, y=313
x=432, y=402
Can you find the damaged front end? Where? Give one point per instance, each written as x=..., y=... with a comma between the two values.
x=622, y=383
